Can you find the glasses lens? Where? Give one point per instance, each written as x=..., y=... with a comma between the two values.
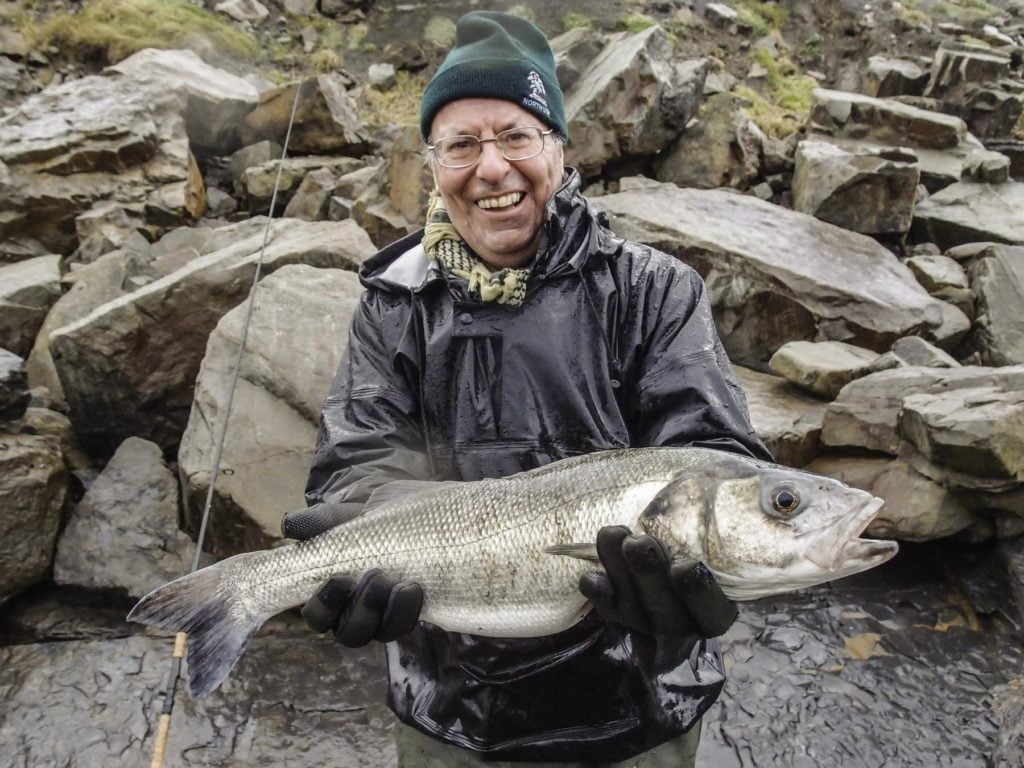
x=457, y=151
x=520, y=143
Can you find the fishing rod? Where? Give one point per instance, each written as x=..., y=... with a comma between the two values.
x=181, y=638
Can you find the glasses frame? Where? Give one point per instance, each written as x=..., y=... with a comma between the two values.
x=497, y=143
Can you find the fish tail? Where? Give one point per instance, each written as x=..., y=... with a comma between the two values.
x=219, y=626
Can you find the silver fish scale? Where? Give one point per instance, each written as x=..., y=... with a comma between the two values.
x=478, y=550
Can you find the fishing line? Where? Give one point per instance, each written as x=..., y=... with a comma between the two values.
x=181, y=638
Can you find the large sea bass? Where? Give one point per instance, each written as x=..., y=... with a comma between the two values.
x=504, y=557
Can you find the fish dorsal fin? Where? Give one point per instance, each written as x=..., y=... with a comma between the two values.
x=406, y=489
x=586, y=550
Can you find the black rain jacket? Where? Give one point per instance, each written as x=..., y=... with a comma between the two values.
x=614, y=346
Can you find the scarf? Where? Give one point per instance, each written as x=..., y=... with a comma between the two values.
x=444, y=245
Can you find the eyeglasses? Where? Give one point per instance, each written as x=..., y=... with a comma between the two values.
x=514, y=144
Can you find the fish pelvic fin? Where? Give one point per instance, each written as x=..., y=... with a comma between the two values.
x=581, y=551
x=219, y=627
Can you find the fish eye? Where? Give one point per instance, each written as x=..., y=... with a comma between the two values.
x=785, y=501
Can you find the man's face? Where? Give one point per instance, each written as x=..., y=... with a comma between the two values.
x=506, y=235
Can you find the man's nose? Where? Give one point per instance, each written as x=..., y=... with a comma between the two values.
x=492, y=165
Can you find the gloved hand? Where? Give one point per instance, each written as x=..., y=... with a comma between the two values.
x=642, y=588
x=306, y=523
x=373, y=608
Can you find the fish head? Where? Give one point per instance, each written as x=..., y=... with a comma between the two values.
x=764, y=529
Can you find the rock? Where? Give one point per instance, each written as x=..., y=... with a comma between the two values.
x=573, y=51
x=721, y=149
x=997, y=280
x=870, y=191
x=95, y=284
x=822, y=367
x=439, y=33
x=258, y=181
x=720, y=14
x=782, y=276
x=1012, y=149
x=409, y=180
x=1008, y=704
x=248, y=157
x=382, y=222
x=887, y=76
x=33, y=483
x=967, y=212
x=128, y=367
x=631, y=101
x=788, y=421
x=991, y=111
x=123, y=535
x=281, y=387
x=311, y=198
x=852, y=115
x=986, y=167
x=974, y=83
x=1012, y=556
x=13, y=43
x=27, y=291
x=913, y=351
x=865, y=414
x=215, y=100
x=325, y=118
x=955, y=65
x=103, y=228
x=916, y=508
x=381, y=76
x=941, y=276
x=243, y=10
x=14, y=394
x=974, y=430
x=220, y=204
x=300, y=7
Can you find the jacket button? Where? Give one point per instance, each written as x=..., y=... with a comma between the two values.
x=465, y=318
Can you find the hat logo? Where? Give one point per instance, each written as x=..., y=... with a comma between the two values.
x=537, y=91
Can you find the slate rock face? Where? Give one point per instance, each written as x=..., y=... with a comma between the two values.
x=782, y=276
x=124, y=534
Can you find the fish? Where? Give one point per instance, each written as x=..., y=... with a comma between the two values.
x=504, y=557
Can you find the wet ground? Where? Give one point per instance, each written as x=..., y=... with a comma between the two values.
x=909, y=665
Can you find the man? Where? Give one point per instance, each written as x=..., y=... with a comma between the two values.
x=514, y=331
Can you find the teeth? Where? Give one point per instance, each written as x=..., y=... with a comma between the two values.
x=501, y=202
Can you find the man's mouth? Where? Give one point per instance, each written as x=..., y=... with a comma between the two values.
x=501, y=201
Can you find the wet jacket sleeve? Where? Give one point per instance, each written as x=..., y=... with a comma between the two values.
x=685, y=391
x=370, y=430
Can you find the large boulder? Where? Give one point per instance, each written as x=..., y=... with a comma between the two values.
x=632, y=100
x=787, y=420
x=27, y=291
x=33, y=484
x=123, y=535
x=775, y=275
x=129, y=366
x=997, y=281
x=822, y=368
x=887, y=76
x=967, y=212
x=298, y=333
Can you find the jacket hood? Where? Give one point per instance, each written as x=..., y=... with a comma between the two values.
x=567, y=242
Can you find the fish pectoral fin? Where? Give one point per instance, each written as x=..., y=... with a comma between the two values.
x=403, y=489
x=581, y=551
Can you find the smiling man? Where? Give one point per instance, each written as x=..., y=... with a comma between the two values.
x=514, y=330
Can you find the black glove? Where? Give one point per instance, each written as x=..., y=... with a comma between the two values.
x=374, y=608
x=645, y=591
x=306, y=523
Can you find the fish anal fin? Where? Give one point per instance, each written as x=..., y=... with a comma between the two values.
x=581, y=551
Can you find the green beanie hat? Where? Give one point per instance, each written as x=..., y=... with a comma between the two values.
x=497, y=56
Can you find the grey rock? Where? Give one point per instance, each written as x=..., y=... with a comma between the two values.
x=258, y=181
x=967, y=212
x=250, y=156
x=27, y=291
x=1008, y=704
x=574, y=50
x=103, y=228
x=788, y=421
x=300, y=7
x=823, y=367
x=381, y=76
x=853, y=115
x=220, y=204
x=128, y=367
x=123, y=535
x=868, y=191
x=409, y=181
x=14, y=393
x=243, y=10
x=972, y=430
x=1012, y=556
x=955, y=65
x=997, y=280
x=865, y=413
x=782, y=276
x=311, y=199
x=916, y=507
x=913, y=351
x=720, y=14
x=986, y=167
x=325, y=118
x=720, y=149
x=945, y=279
x=13, y=43
x=339, y=208
x=281, y=387
x=33, y=484
x=1012, y=149
x=887, y=76
x=632, y=100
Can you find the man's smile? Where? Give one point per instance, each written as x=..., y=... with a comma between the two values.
x=501, y=201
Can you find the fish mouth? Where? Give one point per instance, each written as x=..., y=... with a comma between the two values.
x=839, y=547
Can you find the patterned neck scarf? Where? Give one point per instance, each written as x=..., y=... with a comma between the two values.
x=445, y=246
